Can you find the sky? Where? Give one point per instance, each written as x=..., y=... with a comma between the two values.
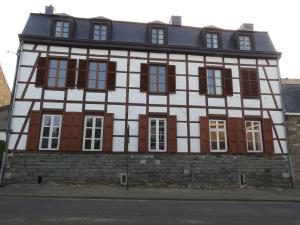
x=280, y=18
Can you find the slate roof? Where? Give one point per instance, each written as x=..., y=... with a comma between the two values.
x=291, y=98
x=132, y=33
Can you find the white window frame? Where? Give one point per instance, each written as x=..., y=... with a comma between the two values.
x=252, y=131
x=218, y=130
x=50, y=132
x=244, y=44
x=93, y=133
x=157, y=134
x=159, y=32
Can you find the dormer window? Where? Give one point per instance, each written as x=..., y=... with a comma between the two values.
x=245, y=42
x=62, y=29
x=100, y=32
x=212, y=40
x=157, y=36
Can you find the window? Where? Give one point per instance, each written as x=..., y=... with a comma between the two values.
x=217, y=132
x=57, y=73
x=245, y=42
x=50, y=132
x=157, y=134
x=100, y=32
x=93, y=133
x=97, y=75
x=214, y=82
x=62, y=29
x=157, y=36
x=253, y=134
x=212, y=40
x=158, y=79
x=249, y=83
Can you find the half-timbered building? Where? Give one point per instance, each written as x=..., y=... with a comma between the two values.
x=95, y=99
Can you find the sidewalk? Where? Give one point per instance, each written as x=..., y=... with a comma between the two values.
x=108, y=192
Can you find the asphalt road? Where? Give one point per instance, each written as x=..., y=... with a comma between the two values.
x=42, y=211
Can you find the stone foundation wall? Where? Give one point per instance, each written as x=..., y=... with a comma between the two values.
x=293, y=130
x=196, y=171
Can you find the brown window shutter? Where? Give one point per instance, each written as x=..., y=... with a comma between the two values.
x=143, y=133
x=111, y=76
x=144, y=80
x=71, y=74
x=233, y=135
x=204, y=135
x=71, y=131
x=268, y=136
x=171, y=79
x=108, y=132
x=242, y=136
x=34, y=131
x=202, y=81
x=254, y=82
x=82, y=73
x=249, y=82
x=41, y=74
x=227, y=76
x=172, y=134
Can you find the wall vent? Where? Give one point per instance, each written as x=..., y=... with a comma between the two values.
x=123, y=178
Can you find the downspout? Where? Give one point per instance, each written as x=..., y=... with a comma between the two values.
x=8, y=130
x=285, y=131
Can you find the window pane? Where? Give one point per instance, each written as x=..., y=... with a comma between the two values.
x=54, y=143
x=249, y=136
x=89, y=122
x=162, y=87
x=214, y=145
x=92, y=84
x=46, y=131
x=53, y=64
x=98, y=122
x=88, y=133
x=65, y=35
x=47, y=121
x=248, y=125
x=212, y=124
x=152, y=78
x=88, y=144
x=161, y=146
x=97, y=144
x=256, y=126
x=221, y=124
x=218, y=90
x=102, y=75
x=93, y=66
x=45, y=143
x=210, y=73
x=221, y=136
x=162, y=70
x=92, y=75
x=55, y=131
x=152, y=87
x=257, y=137
x=153, y=145
x=213, y=136
x=61, y=82
x=222, y=145
x=97, y=133
x=102, y=67
x=250, y=146
x=101, y=85
x=211, y=90
x=51, y=82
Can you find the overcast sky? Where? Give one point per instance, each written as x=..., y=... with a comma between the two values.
x=280, y=18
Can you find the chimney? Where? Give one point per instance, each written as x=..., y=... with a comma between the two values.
x=247, y=27
x=49, y=10
x=175, y=20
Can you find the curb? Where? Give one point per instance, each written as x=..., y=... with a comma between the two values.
x=153, y=199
